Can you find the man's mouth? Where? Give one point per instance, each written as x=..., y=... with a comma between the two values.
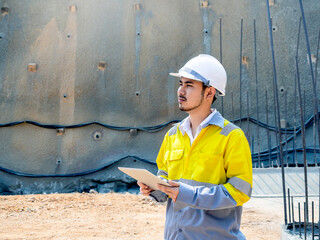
x=182, y=99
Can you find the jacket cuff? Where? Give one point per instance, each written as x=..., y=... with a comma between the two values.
x=185, y=192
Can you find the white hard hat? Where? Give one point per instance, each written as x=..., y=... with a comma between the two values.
x=206, y=69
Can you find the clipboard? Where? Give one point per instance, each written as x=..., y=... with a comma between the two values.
x=144, y=176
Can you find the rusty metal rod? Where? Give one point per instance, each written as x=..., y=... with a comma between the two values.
x=278, y=113
x=303, y=136
x=256, y=77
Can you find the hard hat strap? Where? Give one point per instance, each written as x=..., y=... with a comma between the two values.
x=196, y=75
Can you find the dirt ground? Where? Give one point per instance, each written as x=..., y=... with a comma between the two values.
x=113, y=216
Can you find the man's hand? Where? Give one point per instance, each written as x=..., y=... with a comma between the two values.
x=144, y=189
x=172, y=191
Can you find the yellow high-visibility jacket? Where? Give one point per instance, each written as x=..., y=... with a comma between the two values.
x=215, y=175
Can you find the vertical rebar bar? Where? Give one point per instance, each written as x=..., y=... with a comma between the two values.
x=311, y=71
x=276, y=133
x=299, y=211
x=289, y=207
x=303, y=136
x=304, y=102
x=268, y=131
x=285, y=120
x=295, y=100
x=305, y=206
x=256, y=77
x=275, y=84
x=240, y=76
x=293, y=222
x=314, y=120
x=312, y=220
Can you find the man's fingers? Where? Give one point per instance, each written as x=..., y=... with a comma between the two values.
x=173, y=183
x=172, y=191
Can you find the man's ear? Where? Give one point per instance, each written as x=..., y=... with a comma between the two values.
x=211, y=92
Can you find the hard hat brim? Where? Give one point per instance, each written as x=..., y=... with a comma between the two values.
x=190, y=76
x=185, y=75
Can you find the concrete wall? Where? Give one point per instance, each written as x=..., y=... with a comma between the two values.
x=108, y=62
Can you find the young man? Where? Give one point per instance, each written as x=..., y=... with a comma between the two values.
x=206, y=159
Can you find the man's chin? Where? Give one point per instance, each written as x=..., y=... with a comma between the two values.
x=182, y=109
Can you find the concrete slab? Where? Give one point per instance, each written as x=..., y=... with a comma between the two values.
x=267, y=182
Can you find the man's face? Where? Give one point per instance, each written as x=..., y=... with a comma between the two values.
x=190, y=94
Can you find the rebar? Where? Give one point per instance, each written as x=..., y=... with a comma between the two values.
x=314, y=122
x=299, y=211
x=268, y=131
x=277, y=131
x=289, y=207
x=295, y=100
x=311, y=71
x=312, y=220
x=278, y=112
x=294, y=224
x=303, y=136
x=285, y=119
x=305, y=206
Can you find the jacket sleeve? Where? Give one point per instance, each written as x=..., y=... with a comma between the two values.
x=236, y=191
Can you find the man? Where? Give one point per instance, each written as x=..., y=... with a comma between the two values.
x=206, y=159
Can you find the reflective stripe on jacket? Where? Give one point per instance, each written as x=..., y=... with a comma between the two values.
x=215, y=175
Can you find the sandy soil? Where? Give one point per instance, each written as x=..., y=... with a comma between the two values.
x=113, y=216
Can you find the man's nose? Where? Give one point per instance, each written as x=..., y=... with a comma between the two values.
x=181, y=90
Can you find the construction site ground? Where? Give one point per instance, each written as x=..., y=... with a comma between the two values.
x=113, y=216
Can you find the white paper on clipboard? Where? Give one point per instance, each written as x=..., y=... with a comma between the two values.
x=144, y=176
